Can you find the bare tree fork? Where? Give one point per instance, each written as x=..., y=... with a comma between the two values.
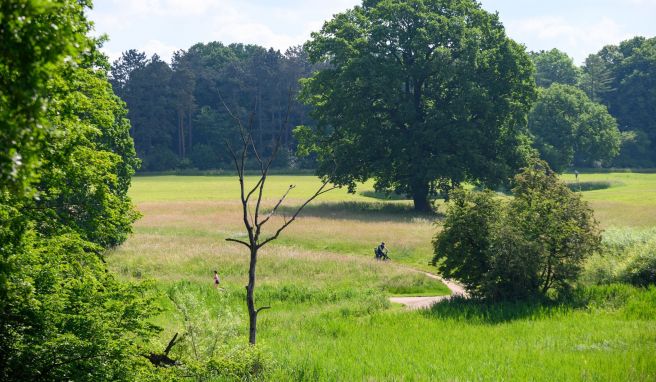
x=251, y=200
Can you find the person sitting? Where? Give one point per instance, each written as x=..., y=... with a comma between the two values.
x=381, y=252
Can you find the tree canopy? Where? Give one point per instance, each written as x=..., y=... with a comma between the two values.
x=554, y=66
x=35, y=36
x=633, y=97
x=568, y=128
x=416, y=94
x=177, y=110
x=63, y=315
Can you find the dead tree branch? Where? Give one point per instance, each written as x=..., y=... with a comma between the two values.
x=252, y=216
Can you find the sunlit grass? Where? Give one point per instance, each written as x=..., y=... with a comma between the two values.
x=330, y=316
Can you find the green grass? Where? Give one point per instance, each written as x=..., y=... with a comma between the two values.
x=630, y=201
x=330, y=318
x=463, y=341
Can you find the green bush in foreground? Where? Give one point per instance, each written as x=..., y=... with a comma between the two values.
x=528, y=247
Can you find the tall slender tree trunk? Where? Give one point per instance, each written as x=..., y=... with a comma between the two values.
x=250, y=299
x=420, y=198
x=190, y=130
x=181, y=136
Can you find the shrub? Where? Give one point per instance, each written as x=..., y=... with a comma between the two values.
x=462, y=248
x=530, y=246
x=241, y=363
x=628, y=255
x=640, y=270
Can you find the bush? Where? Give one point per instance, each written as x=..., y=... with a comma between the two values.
x=641, y=269
x=528, y=247
x=628, y=255
x=591, y=185
x=462, y=248
x=243, y=363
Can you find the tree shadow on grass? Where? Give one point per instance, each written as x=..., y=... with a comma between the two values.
x=476, y=311
x=363, y=211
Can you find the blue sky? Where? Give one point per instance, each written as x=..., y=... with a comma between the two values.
x=578, y=27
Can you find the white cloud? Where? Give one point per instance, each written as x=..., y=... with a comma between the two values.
x=162, y=26
x=151, y=8
x=577, y=39
x=163, y=50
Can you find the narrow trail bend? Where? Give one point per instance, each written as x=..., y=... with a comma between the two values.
x=426, y=302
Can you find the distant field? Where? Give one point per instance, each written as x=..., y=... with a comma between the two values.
x=630, y=201
x=330, y=317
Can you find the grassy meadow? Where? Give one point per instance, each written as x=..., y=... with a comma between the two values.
x=330, y=317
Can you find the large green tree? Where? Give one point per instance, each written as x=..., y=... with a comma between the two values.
x=35, y=36
x=596, y=78
x=554, y=66
x=63, y=315
x=66, y=317
x=417, y=93
x=631, y=98
x=568, y=128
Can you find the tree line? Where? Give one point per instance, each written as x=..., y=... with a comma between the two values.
x=598, y=114
x=594, y=115
x=179, y=112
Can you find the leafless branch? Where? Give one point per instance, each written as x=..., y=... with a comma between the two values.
x=238, y=241
x=275, y=208
x=261, y=309
x=322, y=190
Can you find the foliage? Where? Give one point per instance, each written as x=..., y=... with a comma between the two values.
x=569, y=129
x=35, y=36
x=87, y=162
x=596, y=79
x=632, y=95
x=68, y=319
x=554, y=66
x=64, y=317
x=535, y=243
x=177, y=111
x=417, y=94
x=462, y=247
x=635, y=150
x=628, y=256
x=208, y=348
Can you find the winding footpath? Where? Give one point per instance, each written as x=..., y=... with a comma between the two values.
x=428, y=301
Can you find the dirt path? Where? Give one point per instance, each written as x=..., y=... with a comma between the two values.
x=428, y=301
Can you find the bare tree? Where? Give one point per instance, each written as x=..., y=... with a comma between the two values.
x=251, y=200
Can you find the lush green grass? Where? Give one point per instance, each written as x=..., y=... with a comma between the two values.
x=330, y=316
x=469, y=341
x=630, y=201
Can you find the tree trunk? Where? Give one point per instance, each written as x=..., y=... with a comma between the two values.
x=250, y=300
x=191, y=135
x=420, y=198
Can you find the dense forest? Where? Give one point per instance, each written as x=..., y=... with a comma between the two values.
x=180, y=118
x=180, y=113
